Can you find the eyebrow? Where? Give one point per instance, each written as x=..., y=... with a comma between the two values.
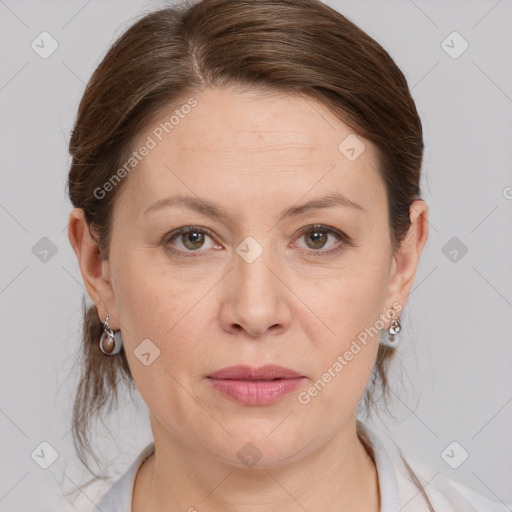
x=216, y=211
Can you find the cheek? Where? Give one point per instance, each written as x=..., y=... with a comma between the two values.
x=155, y=303
x=148, y=294
x=344, y=353
x=346, y=299
x=344, y=329
x=156, y=309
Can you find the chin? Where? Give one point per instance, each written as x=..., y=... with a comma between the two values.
x=265, y=450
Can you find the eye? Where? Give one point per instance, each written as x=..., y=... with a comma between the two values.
x=195, y=240
x=190, y=239
x=317, y=237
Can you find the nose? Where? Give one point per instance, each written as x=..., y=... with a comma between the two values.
x=255, y=297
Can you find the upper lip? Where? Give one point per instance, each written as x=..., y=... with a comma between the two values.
x=244, y=372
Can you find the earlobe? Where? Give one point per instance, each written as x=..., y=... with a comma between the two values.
x=92, y=266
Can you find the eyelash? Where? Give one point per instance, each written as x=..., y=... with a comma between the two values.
x=346, y=241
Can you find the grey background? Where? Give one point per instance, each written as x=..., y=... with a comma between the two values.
x=456, y=351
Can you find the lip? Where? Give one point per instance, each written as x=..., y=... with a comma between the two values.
x=256, y=386
x=245, y=372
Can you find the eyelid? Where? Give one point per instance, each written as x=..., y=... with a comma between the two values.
x=345, y=240
x=186, y=229
x=322, y=227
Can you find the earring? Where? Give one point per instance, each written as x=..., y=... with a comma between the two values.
x=394, y=328
x=110, y=341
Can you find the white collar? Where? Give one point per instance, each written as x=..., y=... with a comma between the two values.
x=398, y=493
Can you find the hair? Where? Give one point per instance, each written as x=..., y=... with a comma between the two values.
x=294, y=47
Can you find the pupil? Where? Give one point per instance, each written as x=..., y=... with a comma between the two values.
x=318, y=236
x=194, y=239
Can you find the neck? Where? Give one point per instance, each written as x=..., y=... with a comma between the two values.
x=340, y=475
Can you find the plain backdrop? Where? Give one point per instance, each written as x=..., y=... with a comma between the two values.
x=452, y=380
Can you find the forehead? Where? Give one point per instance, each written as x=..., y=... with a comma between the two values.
x=254, y=121
x=232, y=144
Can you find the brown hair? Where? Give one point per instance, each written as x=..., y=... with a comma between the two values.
x=298, y=47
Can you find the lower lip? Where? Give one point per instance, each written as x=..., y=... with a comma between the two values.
x=256, y=392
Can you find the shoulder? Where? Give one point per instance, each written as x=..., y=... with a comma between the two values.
x=117, y=496
x=444, y=493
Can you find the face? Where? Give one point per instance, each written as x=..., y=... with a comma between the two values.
x=260, y=282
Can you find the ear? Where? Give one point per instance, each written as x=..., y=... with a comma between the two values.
x=406, y=257
x=94, y=268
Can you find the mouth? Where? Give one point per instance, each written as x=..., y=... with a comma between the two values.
x=256, y=386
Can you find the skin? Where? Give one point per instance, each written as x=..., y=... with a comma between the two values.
x=255, y=156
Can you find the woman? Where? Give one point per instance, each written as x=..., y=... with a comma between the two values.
x=248, y=224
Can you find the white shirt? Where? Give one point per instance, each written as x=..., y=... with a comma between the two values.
x=398, y=493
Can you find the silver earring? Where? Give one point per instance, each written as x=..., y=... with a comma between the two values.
x=394, y=328
x=110, y=342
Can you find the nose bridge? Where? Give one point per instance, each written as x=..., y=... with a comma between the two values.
x=254, y=294
x=252, y=262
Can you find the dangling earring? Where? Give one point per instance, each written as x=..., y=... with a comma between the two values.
x=110, y=342
x=394, y=328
